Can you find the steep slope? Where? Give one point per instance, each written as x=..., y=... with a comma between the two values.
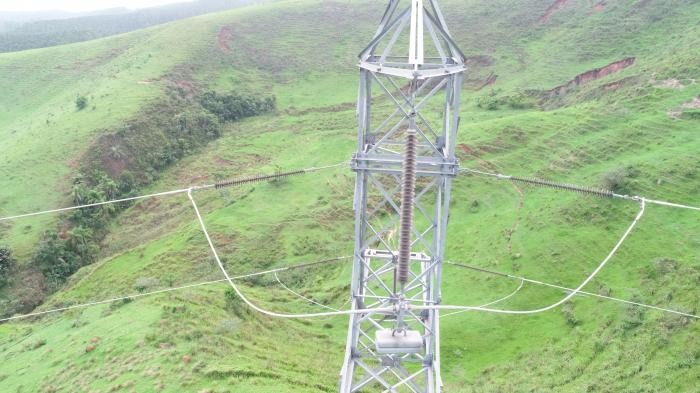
x=622, y=130
x=39, y=122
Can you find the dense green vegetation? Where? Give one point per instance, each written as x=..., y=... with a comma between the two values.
x=231, y=107
x=634, y=131
x=122, y=162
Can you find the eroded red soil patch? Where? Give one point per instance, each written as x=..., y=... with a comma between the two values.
x=600, y=6
x=224, y=36
x=592, y=75
x=115, y=159
x=479, y=60
x=489, y=81
x=185, y=85
x=220, y=161
x=556, y=6
x=465, y=148
x=181, y=84
x=148, y=204
x=612, y=85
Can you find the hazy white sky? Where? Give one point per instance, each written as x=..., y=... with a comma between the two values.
x=78, y=5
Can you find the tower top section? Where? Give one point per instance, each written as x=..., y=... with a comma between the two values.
x=413, y=41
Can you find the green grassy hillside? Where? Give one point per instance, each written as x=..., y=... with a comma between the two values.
x=635, y=130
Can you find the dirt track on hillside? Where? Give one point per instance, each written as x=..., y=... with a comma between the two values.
x=556, y=6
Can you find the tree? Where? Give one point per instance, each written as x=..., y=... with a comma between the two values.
x=80, y=102
x=58, y=258
x=7, y=263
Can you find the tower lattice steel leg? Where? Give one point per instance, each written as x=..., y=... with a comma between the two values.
x=408, y=102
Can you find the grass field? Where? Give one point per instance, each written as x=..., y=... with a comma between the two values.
x=635, y=126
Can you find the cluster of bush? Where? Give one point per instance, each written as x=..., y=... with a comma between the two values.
x=233, y=106
x=80, y=102
x=142, y=148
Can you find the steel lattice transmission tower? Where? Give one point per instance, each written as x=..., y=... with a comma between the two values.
x=408, y=112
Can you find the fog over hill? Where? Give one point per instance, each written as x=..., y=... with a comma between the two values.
x=20, y=17
x=28, y=30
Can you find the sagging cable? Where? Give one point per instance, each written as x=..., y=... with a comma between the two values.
x=566, y=289
x=598, y=192
x=180, y=191
x=252, y=305
x=392, y=310
x=566, y=298
x=174, y=289
x=491, y=303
